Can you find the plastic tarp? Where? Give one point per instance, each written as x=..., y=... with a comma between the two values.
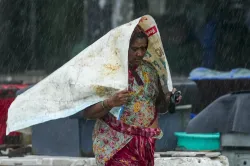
x=208, y=74
x=229, y=113
x=91, y=76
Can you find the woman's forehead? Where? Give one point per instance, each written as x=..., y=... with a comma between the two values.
x=140, y=42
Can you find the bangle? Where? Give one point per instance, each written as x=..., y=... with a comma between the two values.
x=105, y=105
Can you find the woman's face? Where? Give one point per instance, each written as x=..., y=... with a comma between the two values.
x=137, y=51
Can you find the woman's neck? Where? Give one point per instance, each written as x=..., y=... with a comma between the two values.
x=133, y=66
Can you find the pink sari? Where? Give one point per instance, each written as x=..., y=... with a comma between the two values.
x=140, y=150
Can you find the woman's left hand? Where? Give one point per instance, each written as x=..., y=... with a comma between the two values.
x=178, y=100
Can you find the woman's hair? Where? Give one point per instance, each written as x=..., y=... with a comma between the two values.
x=138, y=33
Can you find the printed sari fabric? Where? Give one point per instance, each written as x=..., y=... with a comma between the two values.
x=112, y=137
x=138, y=152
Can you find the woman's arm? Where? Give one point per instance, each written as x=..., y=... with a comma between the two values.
x=162, y=101
x=97, y=110
x=100, y=109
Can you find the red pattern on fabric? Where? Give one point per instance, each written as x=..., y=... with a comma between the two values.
x=4, y=106
x=130, y=78
x=138, y=152
x=129, y=129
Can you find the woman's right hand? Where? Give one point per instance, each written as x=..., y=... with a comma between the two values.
x=118, y=99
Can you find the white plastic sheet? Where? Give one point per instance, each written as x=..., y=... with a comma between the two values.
x=91, y=76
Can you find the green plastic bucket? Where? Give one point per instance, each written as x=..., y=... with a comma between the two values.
x=198, y=142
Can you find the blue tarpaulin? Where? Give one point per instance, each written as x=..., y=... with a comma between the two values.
x=208, y=74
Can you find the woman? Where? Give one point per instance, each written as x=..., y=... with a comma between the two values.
x=131, y=140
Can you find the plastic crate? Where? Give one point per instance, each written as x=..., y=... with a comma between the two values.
x=198, y=142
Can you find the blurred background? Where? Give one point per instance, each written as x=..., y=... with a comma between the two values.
x=39, y=36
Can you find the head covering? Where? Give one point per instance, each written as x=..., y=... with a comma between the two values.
x=90, y=77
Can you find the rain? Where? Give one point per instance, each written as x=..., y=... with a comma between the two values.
x=207, y=47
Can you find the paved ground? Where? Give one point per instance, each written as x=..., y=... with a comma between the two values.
x=215, y=160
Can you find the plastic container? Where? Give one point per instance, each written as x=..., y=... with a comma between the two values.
x=220, y=82
x=198, y=142
x=171, y=123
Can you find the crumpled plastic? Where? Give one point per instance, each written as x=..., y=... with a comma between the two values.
x=93, y=75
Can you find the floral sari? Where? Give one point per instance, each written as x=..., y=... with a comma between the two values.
x=130, y=141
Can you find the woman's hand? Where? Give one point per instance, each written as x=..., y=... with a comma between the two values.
x=118, y=99
x=178, y=100
x=99, y=110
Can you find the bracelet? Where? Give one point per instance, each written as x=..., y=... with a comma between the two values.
x=105, y=106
